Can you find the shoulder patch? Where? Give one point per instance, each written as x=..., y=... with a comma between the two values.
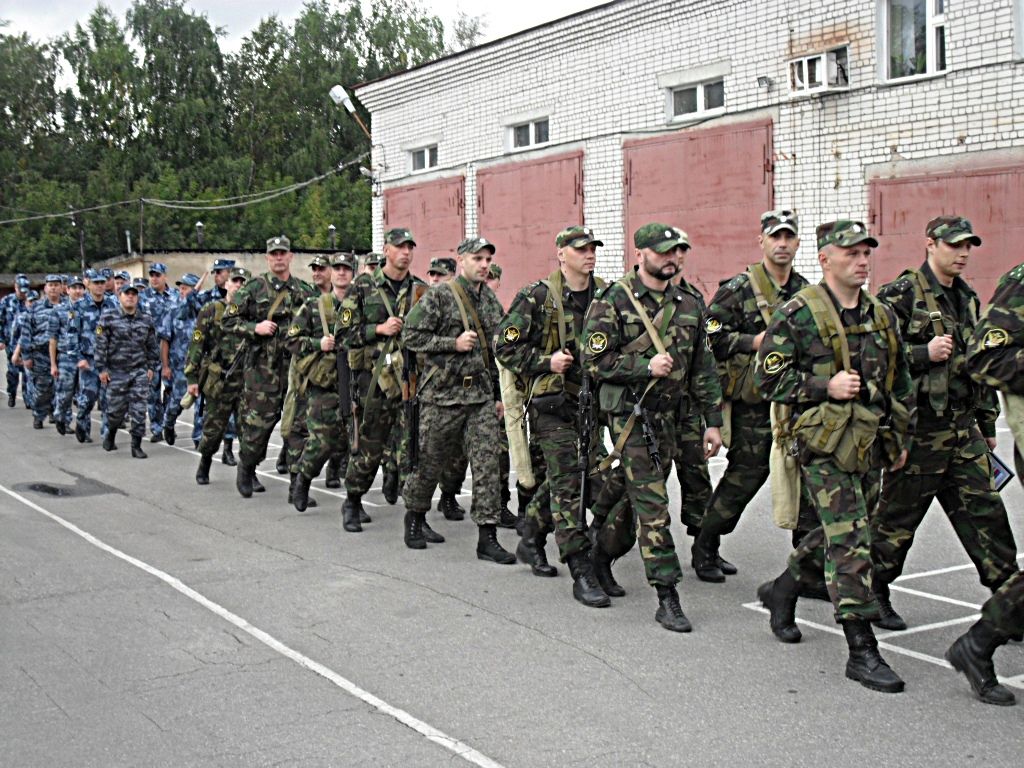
x=598, y=342
x=99, y=330
x=511, y=335
x=232, y=309
x=712, y=325
x=294, y=330
x=774, y=362
x=996, y=337
x=197, y=335
x=346, y=317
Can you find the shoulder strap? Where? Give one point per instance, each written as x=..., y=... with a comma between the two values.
x=555, y=288
x=465, y=304
x=327, y=313
x=829, y=325
x=924, y=290
x=278, y=300
x=883, y=324
x=387, y=302
x=763, y=287
x=656, y=339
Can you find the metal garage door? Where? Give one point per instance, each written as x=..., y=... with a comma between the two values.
x=993, y=199
x=435, y=212
x=521, y=207
x=712, y=183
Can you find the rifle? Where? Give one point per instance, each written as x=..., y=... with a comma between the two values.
x=347, y=403
x=584, y=437
x=411, y=406
x=650, y=439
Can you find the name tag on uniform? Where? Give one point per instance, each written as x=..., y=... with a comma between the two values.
x=1001, y=474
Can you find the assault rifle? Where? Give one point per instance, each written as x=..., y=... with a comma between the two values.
x=650, y=439
x=411, y=406
x=586, y=432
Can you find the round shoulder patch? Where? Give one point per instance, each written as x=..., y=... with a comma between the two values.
x=197, y=335
x=232, y=309
x=99, y=330
x=712, y=325
x=294, y=330
x=346, y=317
x=773, y=363
x=511, y=335
x=598, y=342
x=996, y=337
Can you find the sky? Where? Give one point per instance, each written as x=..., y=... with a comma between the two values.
x=48, y=19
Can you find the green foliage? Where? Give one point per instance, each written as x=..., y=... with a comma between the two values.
x=157, y=110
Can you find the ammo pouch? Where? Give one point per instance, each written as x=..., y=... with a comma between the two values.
x=213, y=381
x=844, y=431
x=319, y=369
x=615, y=398
x=549, y=405
x=388, y=378
x=737, y=377
x=890, y=433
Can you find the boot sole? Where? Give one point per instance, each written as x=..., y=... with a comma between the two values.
x=687, y=627
x=895, y=688
x=890, y=625
x=764, y=595
x=957, y=664
x=593, y=603
x=352, y=529
x=503, y=561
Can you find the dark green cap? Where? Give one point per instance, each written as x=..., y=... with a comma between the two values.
x=441, y=266
x=240, y=272
x=494, y=272
x=372, y=259
x=344, y=260
x=279, y=243
x=952, y=230
x=475, y=245
x=660, y=238
x=576, y=237
x=398, y=236
x=845, y=233
x=773, y=221
x=320, y=260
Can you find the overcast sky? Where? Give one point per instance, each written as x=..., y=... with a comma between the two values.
x=50, y=18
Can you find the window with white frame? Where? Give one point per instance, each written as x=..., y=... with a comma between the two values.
x=424, y=158
x=529, y=134
x=826, y=71
x=915, y=38
x=697, y=100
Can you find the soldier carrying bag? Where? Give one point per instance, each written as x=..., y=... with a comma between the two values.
x=318, y=367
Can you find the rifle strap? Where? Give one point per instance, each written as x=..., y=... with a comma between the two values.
x=327, y=313
x=938, y=395
x=465, y=305
x=924, y=291
x=763, y=287
x=385, y=353
x=278, y=299
x=834, y=329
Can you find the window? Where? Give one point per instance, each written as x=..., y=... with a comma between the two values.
x=915, y=42
x=424, y=158
x=698, y=99
x=828, y=71
x=529, y=134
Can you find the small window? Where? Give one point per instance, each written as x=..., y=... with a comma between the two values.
x=424, y=158
x=530, y=134
x=818, y=73
x=915, y=40
x=698, y=99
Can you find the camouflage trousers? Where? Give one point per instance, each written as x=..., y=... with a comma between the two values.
x=841, y=544
x=538, y=509
x=220, y=418
x=557, y=440
x=614, y=525
x=42, y=385
x=692, y=470
x=64, y=387
x=328, y=433
x=14, y=373
x=90, y=391
x=375, y=433
x=294, y=430
x=949, y=463
x=1005, y=609
x=127, y=393
x=263, y=392
x=159, y=394
x=179, y=386
x=475, y=427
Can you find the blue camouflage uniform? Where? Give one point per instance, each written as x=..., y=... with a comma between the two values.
x=89, y=388
x=176, y=329
x=156, y=304
x=17, y=335
x=10, y=307
x=65, y=329
x=35, y=347
x=126, y=348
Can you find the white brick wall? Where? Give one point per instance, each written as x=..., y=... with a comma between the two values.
x=597, y=76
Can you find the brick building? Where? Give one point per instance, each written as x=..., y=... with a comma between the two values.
x=704, y=114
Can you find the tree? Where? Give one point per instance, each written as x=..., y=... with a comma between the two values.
x=467, y=31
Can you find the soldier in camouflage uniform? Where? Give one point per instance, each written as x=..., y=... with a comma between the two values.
x=156, y=300
x=539, y=339
x=735, y=324
x=995, y=358
x=342, y=274
x=642, y=376
x=65, y=354
x=313, y=343
x=35, y=349
x=956, y=423
x=450, y=330
x=12, y=305
x=833, y=353
x=126, y=356
x=260, y=315
x=372, y=316
x=213, y=370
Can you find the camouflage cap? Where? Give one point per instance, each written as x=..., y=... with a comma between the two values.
x=22, y=282
x=107, y=273
x=845, y=233
x=140, y=282
x=122, y=275
x=159, y=267
x=398, y=236
x=494, y=272
x=222, y=264
x=475, y=245
x=241, y=272
x=372, y=259
x=952, y=230
x=320, y=260
x=32, y=295
x=344, y=260
x=576, y=237
x=64, y=279
x=75, y=280
x=774, y=221
x=440, y=266
x=660, y=238
x=191, y=279
x=128, y=286
x=92, y=275
x=53, y=278
x=279, y=243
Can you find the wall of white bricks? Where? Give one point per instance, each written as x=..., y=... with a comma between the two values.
x=596, y=77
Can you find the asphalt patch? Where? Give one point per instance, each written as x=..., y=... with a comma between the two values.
x=82, y=487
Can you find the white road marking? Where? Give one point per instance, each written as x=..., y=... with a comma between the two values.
x=1013, y=682
x=940, y=571
x=928, y=627
x=939, y=598
x=440, y=738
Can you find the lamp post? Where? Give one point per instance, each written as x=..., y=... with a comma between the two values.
x=332, y=232
x=341, y=97
x=199, y=233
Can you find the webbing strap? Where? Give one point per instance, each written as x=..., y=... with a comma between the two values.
x=327, y=313
x=465, y=304
x=763, y=286
x=556, y=295
x=925, y=290
x=840, y=344
x=277, y=299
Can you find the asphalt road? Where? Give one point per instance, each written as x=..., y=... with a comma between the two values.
x=145, y=621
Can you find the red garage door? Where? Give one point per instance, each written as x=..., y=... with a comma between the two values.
x=522, y=206
x=713, y=183
x=435, y=212
x=993, y=199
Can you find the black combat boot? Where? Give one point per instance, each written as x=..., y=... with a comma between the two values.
x=816, y=592
x=156, y=437
x=137, y=452
x=887, y=616
x=299, y=491
x=726, y=567
x=363, y=517
x=243, y=479
x=350, y=513
x=11, y=398
x=450, y=508
x=227, y=457
x=203, y=473
x=390, y=487
x=37, y=423
x=602, y=563
x=429, y=534
x=524, y=497
x=413, y=532
x=584, y=586
x=505, y=517
x=531, y=550
x=333, y=479
x=972, y=655
x=169, y=434
x=866, y=664
x=282, y=461
x=61, y=428
x=705, y=558
x=80, y=433
x=257, y=486
x=780, y=597
x=488, y=548
x=670, y=614
x=109, y=438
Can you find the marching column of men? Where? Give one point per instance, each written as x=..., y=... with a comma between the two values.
x=879, y=404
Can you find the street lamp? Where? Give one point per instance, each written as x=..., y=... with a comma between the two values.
x=332, y=231
x=340, y=96
x=199, y=233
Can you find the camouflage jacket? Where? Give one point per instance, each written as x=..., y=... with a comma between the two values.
x=795, y=364
x=156, y=303
x=35, y=326
x=10, y=307
x=89, y=312
x=448, y=377
x=125, y=342
x=946, y=386
x=612, y=354
x=211, y=342
x=528, y=335
x=66, y=328
x=307, y=330
x=995, y=352
x=176, y=329
x=252, y=305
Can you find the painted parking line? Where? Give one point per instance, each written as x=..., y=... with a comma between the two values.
x=932, y=596
x=928, y=627
x=453, y=745
x=941, y=571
